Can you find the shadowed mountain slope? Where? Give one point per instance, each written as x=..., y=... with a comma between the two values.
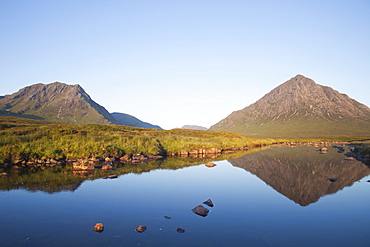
x=300, y=108
x=128, y=120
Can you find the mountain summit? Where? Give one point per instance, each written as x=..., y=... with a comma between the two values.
x=55, y=102
x=300, y=108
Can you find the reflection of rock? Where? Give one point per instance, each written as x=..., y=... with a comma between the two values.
x=200, y=210
x=99, y=227
x=82, y=165
x=300, y=175
x=209, y=203
x=210, y=165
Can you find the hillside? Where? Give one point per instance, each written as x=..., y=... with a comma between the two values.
x=300, y=108
x=55, y=102
x=128, y=120
x=193, y=127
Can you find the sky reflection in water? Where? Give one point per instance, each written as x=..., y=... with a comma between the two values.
x=248, y=211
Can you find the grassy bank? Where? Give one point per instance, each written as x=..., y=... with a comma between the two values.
x=24, y=139
x=28, y=140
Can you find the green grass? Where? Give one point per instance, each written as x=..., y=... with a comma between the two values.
x=304, y=128
x=33, y=140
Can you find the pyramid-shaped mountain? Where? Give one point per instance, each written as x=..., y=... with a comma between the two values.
x=55, y=102
x=300, y=108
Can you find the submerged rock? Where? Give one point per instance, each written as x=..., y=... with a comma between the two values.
x=167, y=217
x=200, y=210
x=140, y=228
x=180, y=230
x=99, y=227
x=209, y=203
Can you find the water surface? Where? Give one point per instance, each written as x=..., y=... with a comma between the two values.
x=272, y=197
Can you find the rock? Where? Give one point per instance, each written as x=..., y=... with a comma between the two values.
x=332, y=180
x=200, y=210
x=323, y=150
x=209, y=203
x=167, y=217
x=140, y=228
x=180, y=230
x=112, y=176
x=107, y=167
x=99, y=227
x=210, y=165
x=349, y=159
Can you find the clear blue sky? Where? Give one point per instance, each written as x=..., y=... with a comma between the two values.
x=181, y=62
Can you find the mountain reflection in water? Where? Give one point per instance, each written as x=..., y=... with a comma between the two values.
x=301, y=173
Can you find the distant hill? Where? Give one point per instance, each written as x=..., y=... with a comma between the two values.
x=193, y=127
x=300, y=108
x=128, y=120
x=55, y=102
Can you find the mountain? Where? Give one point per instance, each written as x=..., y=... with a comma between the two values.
x=55, y=102
x=128, y=120
x=300, y=108
x=193, y=127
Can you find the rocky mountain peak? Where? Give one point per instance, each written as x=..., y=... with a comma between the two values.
x=297, y=100
x=57, y=102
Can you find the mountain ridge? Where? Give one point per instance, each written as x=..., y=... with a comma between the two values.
x=61, y=103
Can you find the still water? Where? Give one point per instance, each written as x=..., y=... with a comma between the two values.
x=271, y=197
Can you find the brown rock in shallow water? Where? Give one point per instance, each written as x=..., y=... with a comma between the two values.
x=209, y=203
x=107, y=167
x=210, y=165
x=99, y=227
x=200, y=210
x=140, y=228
